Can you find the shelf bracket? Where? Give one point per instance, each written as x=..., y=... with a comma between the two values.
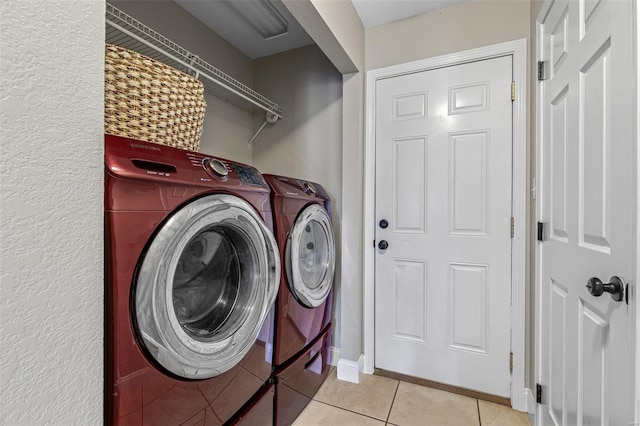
x=270, y=118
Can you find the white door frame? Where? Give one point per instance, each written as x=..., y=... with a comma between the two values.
x=518, y=49
x=635, y=134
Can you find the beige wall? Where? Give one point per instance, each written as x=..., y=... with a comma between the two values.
x=464, y=26
x=227, y=130
x=352, y=289
x=343, y=20
x=335, y=27
x=307, y=142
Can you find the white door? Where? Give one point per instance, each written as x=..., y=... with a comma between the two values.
x=443, y=209
x=587, y=171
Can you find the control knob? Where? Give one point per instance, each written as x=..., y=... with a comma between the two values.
x=215, y=167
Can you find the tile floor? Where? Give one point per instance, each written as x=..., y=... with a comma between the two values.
x=382, y=401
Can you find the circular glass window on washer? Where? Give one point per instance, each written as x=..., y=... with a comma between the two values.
x=310, y=256
x=213, y=279
x=205, y=286
x=313, y=256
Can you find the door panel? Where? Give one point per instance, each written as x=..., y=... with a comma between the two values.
x=468, y=310
x=409, y=186
x=410, y=301
x=587, y=198
x=443, y=182
x=468, y=158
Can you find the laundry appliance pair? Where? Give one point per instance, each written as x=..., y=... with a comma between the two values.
x=193, y=270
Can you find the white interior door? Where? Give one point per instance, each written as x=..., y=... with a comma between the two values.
x=443, y=211
x=587, y=170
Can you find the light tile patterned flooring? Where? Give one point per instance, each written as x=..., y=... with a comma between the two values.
x=379, y=401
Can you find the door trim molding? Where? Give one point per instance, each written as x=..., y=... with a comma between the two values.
x=538, y=211
x=636, y=279
x=518, y=49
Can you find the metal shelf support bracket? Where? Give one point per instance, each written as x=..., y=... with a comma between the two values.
x=270, y=118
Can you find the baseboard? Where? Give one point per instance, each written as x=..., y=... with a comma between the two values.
x=530, y=400
x=349, y=371
x=334, y=355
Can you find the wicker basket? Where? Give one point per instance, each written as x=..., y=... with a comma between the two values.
x=148, y=100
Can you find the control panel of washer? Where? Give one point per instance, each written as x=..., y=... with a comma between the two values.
x=247, y=174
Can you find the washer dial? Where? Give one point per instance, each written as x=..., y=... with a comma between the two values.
x=215, y=167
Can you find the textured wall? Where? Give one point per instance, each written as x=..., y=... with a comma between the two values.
x=51, y=209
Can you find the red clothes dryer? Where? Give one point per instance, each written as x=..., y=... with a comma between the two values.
x=192, y=273
x=304, y=304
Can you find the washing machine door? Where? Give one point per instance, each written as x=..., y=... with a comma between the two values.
x=205, y=286
x=310, y=256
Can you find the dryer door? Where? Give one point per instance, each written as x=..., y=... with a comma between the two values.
x=205, y=286
x=310, y=256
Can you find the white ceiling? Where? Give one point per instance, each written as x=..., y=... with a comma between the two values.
x=229, y=19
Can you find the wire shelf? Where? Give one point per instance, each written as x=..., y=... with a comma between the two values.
x=125, y=31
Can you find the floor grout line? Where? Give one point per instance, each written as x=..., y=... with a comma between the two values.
x=392, y=401
x=386, y=420
x=350, y=411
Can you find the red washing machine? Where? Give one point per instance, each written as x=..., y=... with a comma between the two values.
x=192, y=274
x=301, y=212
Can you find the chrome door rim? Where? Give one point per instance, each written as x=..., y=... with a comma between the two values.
x=162, y=333
x=311, y=297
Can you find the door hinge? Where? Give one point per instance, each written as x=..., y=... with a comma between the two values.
x=538, y=393
x=540, y=231
x=543, y=70
x=510, y=362
x=513, y=91
x=513, y=227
